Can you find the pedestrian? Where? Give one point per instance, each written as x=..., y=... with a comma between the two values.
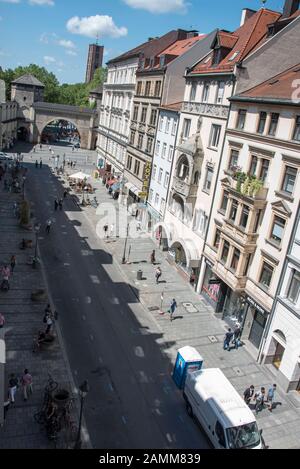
x=105, y=228
x=49, y=323
x=152, y=257
x=65, y=193
x=237, y=335
x=158, y=274
x=249, y=394
x=50, y=149
x=13, y=263
x=55, y=204
x=48, y=226
x=36, y=163
x=260, y=398
x=12, y=387
x=71, y=164
x=41, y=163
x=26, y=382
x=74, y=164
x=173, y=307
x=2, y=321
x=15, y=209
x=271, y=396
x=41, y=146
x=60, y=204
x=228, y=339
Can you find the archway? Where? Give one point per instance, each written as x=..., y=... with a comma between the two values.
x=22, y=134
x=162, y=237
x=61, y=132
x=277, y=348
x=178, y=206
x=179, y=255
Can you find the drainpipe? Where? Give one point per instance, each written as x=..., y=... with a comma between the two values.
x=279, y=287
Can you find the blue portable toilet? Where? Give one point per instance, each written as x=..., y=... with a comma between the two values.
x=188, y=360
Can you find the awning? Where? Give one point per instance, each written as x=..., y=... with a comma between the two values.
x=116, y=187
x=112, y=182
x=132, y=188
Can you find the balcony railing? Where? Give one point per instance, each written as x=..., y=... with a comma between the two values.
x=181, y=187
x=260, y=194
x=214, y=110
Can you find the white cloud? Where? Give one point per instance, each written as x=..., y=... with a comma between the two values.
x=71, y=52
x=67, y=44
x=159, y=6
x=92, y=26
x=50, y=3
x=49, y=60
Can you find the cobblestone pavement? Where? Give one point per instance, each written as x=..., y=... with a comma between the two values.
x=24, y=319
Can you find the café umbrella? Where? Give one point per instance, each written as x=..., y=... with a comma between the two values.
x=80, y=176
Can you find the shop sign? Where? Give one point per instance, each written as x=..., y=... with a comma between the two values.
x=255, y=305
x=146, y=179
x=215, y=281
x=142, y=195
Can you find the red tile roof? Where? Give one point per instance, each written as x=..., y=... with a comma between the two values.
x=243, y=41
x=281, y=87
x=180, y=47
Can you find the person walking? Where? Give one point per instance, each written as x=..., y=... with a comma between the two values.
x=2, y=321
x=65, y=193
x=36, y=164
x=26, y=382
x=48, y=226
x=49, y=322
x=41, y=147
x=55, y=205
x=152, y=257
x=173, y=307
x=12, y=387
x=228, y=339
x=105, y=228
x=271, y=396
x=13, y=262
x=158, y=274
x=237, y=336
x=60, y=204
x=249, y=394
x=260, y=398
x=41, y=163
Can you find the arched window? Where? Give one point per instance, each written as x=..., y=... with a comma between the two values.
x=183, y=169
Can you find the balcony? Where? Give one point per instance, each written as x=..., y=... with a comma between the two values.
x=242, y=236
x=184, y=189
x=229, y=277
x=248, y=189
x=214, y=110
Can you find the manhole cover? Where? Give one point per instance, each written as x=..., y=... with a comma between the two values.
x=238, y=371
x=213, y=339
x=188, y=305
x=153, y=308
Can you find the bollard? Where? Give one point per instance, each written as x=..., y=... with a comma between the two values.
x=139, y=275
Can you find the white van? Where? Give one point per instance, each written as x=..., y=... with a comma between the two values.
x=220, y=410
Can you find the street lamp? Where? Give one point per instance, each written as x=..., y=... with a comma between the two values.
x=37, y=228
x=125, y=247
x=83, y=391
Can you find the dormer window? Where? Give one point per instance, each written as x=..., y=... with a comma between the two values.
x=162, y=61
x=234, y=56
x=152, y=61
x=217, y=57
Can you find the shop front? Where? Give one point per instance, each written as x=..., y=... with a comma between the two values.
x=213, y=289
x=255, y=321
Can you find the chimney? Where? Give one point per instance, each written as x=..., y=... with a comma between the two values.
x=290, y=6
x=246, y=15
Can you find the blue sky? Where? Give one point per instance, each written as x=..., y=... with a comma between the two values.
x=56, y=33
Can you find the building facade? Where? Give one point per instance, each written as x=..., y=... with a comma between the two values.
x=255, y=205
x=94, y=61
x=8, y=124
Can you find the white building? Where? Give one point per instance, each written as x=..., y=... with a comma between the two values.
x=282, y=346
x=166, y=136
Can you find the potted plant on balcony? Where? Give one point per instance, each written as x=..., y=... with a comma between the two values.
x=255, y=186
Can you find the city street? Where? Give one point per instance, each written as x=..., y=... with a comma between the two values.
x=110, y=338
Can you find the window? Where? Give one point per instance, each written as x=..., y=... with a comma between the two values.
x=156, y=199
x=217, y=239
x=170, y=154
x=151, y=195
x=294, y=288
x=220, y=92
x=205, y=94
x=289, y=180
x=278, y=230
x=132, y=137
x=186, y=128
x=262, y=122
x=161, y=123
x=162, y=206
x=193, y=92
x=148, y=88
x=167, y=179
x=235, y=259
x=241, y=119
x=273, y=124
x=174, y=127
x=266, y=275
x=162, y=61
x=264, y=170
x=154, y=172
x=196, y=178
x=208, y=179
x=157, y=88
x=253, y=166
x=215, y=136
x=139, y=88
x=248, y=264
x=225, y=251
x=234, y=159
x=244, y=216
x=200, y=222
x=296, y=135
x=257, y=221
x=164, y=151
x=140, y=141
x=224, y=205
x=157, y=149
x=149, y=145
x=129, y=163
x=233, y=211
x=144, y=114
x=153, y=117
x=160, y=175
x=137, y=166
x=167, y=129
